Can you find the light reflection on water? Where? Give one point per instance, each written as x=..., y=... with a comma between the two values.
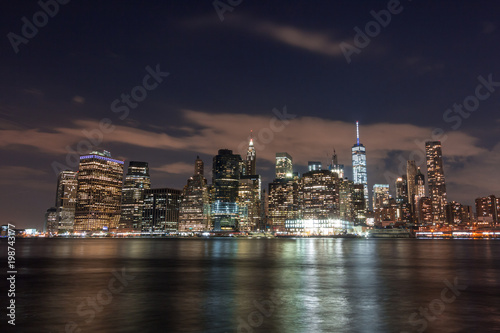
x=213, y=285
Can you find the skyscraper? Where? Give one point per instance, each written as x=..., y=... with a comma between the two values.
x=411, y=173
x=283, y=202
x=359, y=166
x=226, y=176
x=249, y=202
x=99, y=192
x=436, y=181
x=284, y=166
x=319, y=195
x=50, y=225
x=194, y=206
x=67, y=185
x=419, y=193
x=251, y=160
x=336, y=167
x=161, y=210
x=136, y=181
x=403, y=213
x=380, y=195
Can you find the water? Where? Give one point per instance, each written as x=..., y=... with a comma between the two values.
x=219, y=285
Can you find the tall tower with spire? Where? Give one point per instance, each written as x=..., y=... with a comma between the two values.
x=251, y=158
x=359, y=165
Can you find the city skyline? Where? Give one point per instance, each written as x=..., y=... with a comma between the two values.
x=277, y=70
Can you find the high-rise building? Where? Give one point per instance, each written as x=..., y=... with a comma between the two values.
x=346, y=208
x=282, y=202
x=359, y=166
x=403, y=213
x=67, y=185
x=51, y=221
x=314, y=166
x=251, y=168
x=411, y=173
x=99, y=192
x=226, y=176
x=194, y=206
x=457, y=214
x=436, y=181
x=419, y=193
x=488, y=209
x=336, y=167
x=402, y=189
x=137, y=180
x=161, y=210
x=319, y=195
x=358, y=203
x=425, y=216
x=284, y=166
x=249, y=202
x=380, y=196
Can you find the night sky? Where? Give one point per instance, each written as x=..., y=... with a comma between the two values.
x=225, y=78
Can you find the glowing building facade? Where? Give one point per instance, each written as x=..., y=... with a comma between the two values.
x=284, y=166
x=137, y=180
x=194, y=206
x=359, y=166
x=99, y=192
x=67, y=185
x=436, y=181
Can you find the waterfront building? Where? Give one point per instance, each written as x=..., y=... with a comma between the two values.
x=488, y=209
x=436, y=181
x=51, y=221
x=346, y=207
x=359, y=166
x=249, y=202
x=457, y=214
x=425, y=216
x=161, y=210
x=137, y=180
x=194, y=207
x=319, y=195
x=283, y=203
x=411, y=174
x=99, y=192
x=67, y=185
x=226, y=176
x=358, y=203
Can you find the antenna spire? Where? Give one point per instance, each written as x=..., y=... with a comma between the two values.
x=357, y=132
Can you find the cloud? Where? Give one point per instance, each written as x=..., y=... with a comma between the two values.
x=314, y=41
x=78, y=100
x=320, y=42
x=305, y=138
x=178, y=168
